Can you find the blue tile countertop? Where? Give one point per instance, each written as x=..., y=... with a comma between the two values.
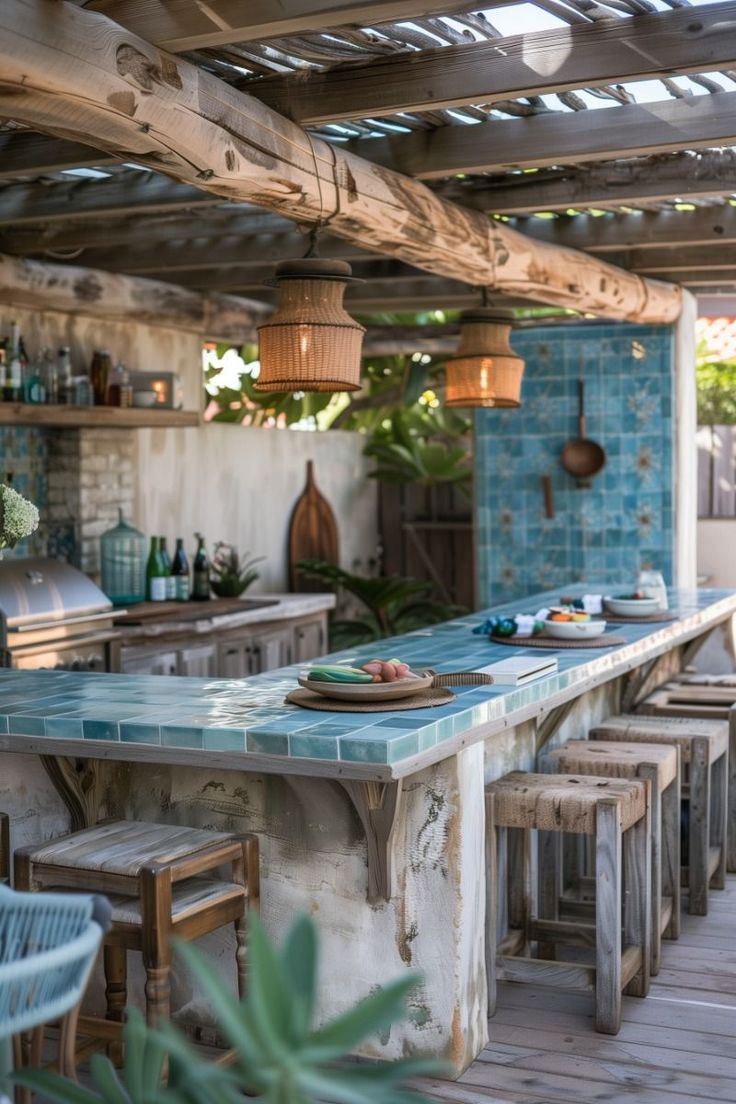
x=244, y=724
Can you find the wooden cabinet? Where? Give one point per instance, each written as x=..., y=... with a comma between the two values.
x=232, y=653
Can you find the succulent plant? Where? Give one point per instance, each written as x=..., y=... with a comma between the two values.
x=230, y=573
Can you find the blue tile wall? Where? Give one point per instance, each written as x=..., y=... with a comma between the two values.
x=24, y=456
x=602, y=534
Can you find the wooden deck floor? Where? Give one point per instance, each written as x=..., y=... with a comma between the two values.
x=677, y=1046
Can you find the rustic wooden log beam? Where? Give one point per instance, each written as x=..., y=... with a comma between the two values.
x=180, y=25
x=71, y=72
x=74, y=290
x=586, y=55
x=606, y=184
x=557, y=138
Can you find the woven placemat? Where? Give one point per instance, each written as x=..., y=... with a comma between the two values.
x=425, y=699
x=650, y=619
x=608, y=640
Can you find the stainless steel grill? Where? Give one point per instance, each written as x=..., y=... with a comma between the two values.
x=53, y=616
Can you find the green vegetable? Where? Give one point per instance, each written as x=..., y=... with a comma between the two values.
x=330, y=673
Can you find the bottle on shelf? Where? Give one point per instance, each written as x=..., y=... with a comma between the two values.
x=155, y=573
x=99, y=374
x=201, y=572
x=34, y=381
x=119, y=387
x=64, y=375
x=180, y=572
x=170, y=581
x=51, y=378
x=13, y=387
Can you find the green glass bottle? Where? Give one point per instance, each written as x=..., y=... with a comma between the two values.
x=170, y=581
x=180, y=572
x=155, y=573
x=201, y=572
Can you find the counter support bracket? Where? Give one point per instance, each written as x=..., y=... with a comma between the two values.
x=80, y=783
x=377, y=805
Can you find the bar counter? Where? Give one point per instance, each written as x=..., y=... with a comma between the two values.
x=371, y=821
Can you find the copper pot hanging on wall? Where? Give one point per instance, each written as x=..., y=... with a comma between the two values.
x=311, y=343
x=485, y=370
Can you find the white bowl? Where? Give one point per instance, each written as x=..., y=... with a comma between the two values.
x=575, y=630
x=144, y=398
x=631, y=607
x=368, y=691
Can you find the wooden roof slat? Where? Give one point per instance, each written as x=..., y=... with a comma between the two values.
x=557, y=139
x=129, y=96
x=558, y=60
x=25, y=153
x=704, y=226
x=180, y=25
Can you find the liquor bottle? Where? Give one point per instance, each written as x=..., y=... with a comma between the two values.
x=201, y=574
x=51, y=377
x=34, y=380
x=13, y=389
x=99, y=374
x=170, y=581
x=3, y=365
x=64, y=372
x=180, y=572
x=155, y=574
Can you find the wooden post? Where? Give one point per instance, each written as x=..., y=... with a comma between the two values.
x=699, y=837
x=491, y=903
x=608, y=917
x=70, y=71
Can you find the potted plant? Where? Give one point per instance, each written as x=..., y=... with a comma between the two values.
x=230, y=573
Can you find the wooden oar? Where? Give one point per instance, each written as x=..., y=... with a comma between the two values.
x=312, y=534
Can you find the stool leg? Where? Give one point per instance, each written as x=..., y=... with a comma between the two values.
x=155, y=885
x=731, y=859
x=68, y=1044
x=608, y=918
x=671, y=809
x=718, y=818
x=550, y=877
x=647, y=771
x=519, y=882
x=116, y=993
x=245, y=872
x=491, y=904
x=637, y=850
x=699, y=836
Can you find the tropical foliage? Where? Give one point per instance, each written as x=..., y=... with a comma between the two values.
x=281, y=1056
x=230, y=573
x=716, y=392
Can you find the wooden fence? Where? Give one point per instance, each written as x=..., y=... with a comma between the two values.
x=716, y=471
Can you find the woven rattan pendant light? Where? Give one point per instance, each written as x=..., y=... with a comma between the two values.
x=485, y=371
x=311, y=343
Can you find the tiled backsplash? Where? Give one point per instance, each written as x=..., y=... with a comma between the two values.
x=604, y=533
x=25, y=459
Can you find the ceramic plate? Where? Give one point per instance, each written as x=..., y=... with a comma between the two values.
x=575, y=630
x=631, y=607
x=368, y=691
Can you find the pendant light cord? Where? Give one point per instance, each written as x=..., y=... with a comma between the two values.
x=319, y=225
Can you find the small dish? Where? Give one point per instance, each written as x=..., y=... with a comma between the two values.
x=144, y=398
x=368, y=691
x=631, y=607
x=575, y=630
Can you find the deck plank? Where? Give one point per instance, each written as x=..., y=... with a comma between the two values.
x=678, y=1046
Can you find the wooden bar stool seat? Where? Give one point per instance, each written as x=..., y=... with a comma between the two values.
x=660, y=763
x=616, y=813
x=154, y=877
x=705, y=697
x=703, y=748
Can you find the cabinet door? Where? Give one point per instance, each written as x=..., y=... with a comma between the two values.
x=151, y=663
x=197, y=662
x=270, y=650
x=233, y=659
x=309, y=640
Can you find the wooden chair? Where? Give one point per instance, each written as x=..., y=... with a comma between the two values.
x=152, y=876
x=660, y=763
x=704, y=755
x=4, y=848
x=616, y=813
x=706, y=697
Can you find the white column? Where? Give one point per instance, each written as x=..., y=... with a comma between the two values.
x=685, y=456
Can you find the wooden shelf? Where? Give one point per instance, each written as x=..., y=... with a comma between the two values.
x=93, y=417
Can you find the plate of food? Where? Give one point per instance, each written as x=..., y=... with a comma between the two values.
x=376, y=681
x=575, y=629
x=635, y=604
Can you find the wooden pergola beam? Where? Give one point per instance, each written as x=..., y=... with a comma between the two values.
x=557, y=138
x=41, y=285
x=605, y=184
x=128, y=97
x=179, y=25
x=585, y=55
x=27, y=154
x=657, y=229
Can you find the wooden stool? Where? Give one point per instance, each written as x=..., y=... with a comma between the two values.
x=616, y=813
x=4, y=848
x=704, y=756
x=707, y=697
x=660, y=763
x=151, y=875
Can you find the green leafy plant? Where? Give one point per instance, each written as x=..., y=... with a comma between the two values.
x=230, y=573
x=428, y=447
x=280, y=1057
x=391, y=604
x=716, y=381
